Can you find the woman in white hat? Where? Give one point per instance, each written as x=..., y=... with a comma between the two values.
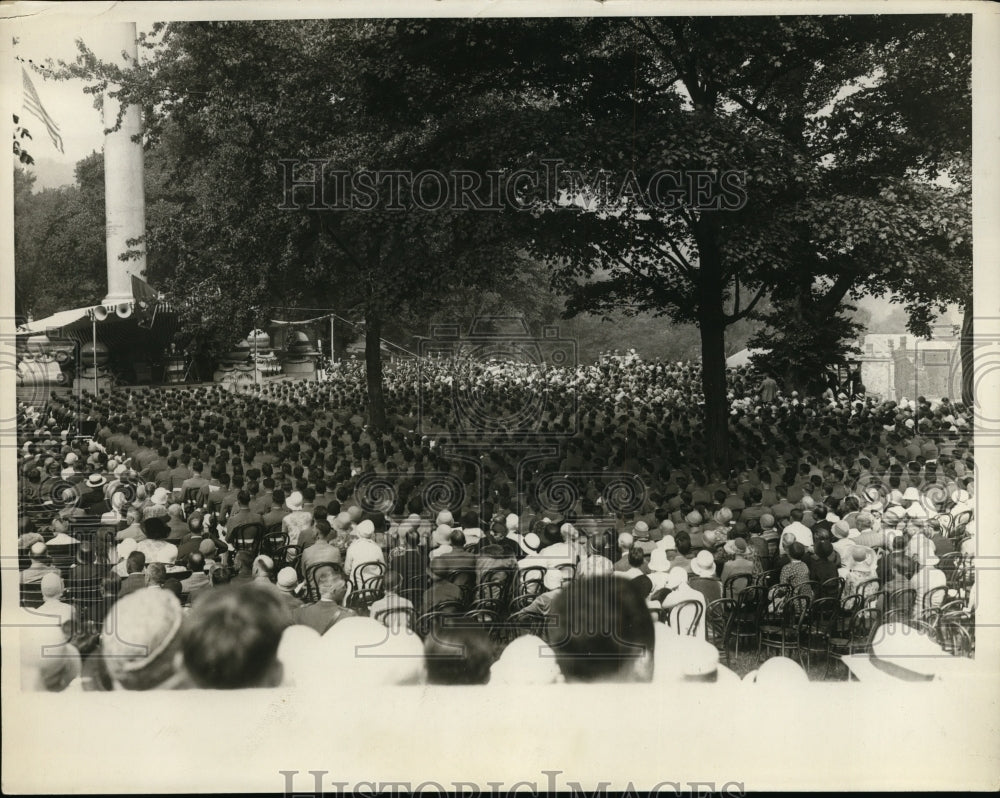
x=659, y=567
x=704, y=578
x=680, y=590
x=860, y=567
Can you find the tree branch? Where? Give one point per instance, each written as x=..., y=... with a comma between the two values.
x=657, y=250
x=742, y=314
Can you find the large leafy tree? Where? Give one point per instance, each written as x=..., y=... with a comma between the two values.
x=838, y=198
x=239, y=104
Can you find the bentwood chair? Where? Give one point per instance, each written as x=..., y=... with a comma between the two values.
x=685, y=618
x=785, y=640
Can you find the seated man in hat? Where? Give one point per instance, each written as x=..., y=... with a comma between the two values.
x=642, y=539
x=604, y=632
x=495, y=555
x=659, y=567
x=332, y=584
x=231, y=637
x=92, y=500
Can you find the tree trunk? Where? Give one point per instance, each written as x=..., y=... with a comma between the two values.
x=966, y=350
x=373, y=369
x=713, y=383
x=712, y=326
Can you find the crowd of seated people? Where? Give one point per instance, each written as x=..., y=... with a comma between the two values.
x=211, y=524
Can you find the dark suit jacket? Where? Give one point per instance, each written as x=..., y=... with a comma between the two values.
x=131, y=583
x=464, y=563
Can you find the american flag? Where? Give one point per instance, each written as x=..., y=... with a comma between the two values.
x=33, y=104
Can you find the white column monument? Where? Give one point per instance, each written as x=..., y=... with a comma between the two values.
x=124, y=192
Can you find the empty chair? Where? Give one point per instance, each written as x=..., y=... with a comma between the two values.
x=820, y=627
x=785, y=640
x=745, y=621
x=858, y=638
x=718, y=616
x=685, y=618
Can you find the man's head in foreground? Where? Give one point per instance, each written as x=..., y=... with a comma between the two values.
x=604, y=632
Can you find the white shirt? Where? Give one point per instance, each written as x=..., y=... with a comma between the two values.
x=359, y=552
x=803, y=534
x=158, y=551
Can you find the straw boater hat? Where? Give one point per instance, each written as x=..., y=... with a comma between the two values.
x=903, y=653
x=529, y=543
